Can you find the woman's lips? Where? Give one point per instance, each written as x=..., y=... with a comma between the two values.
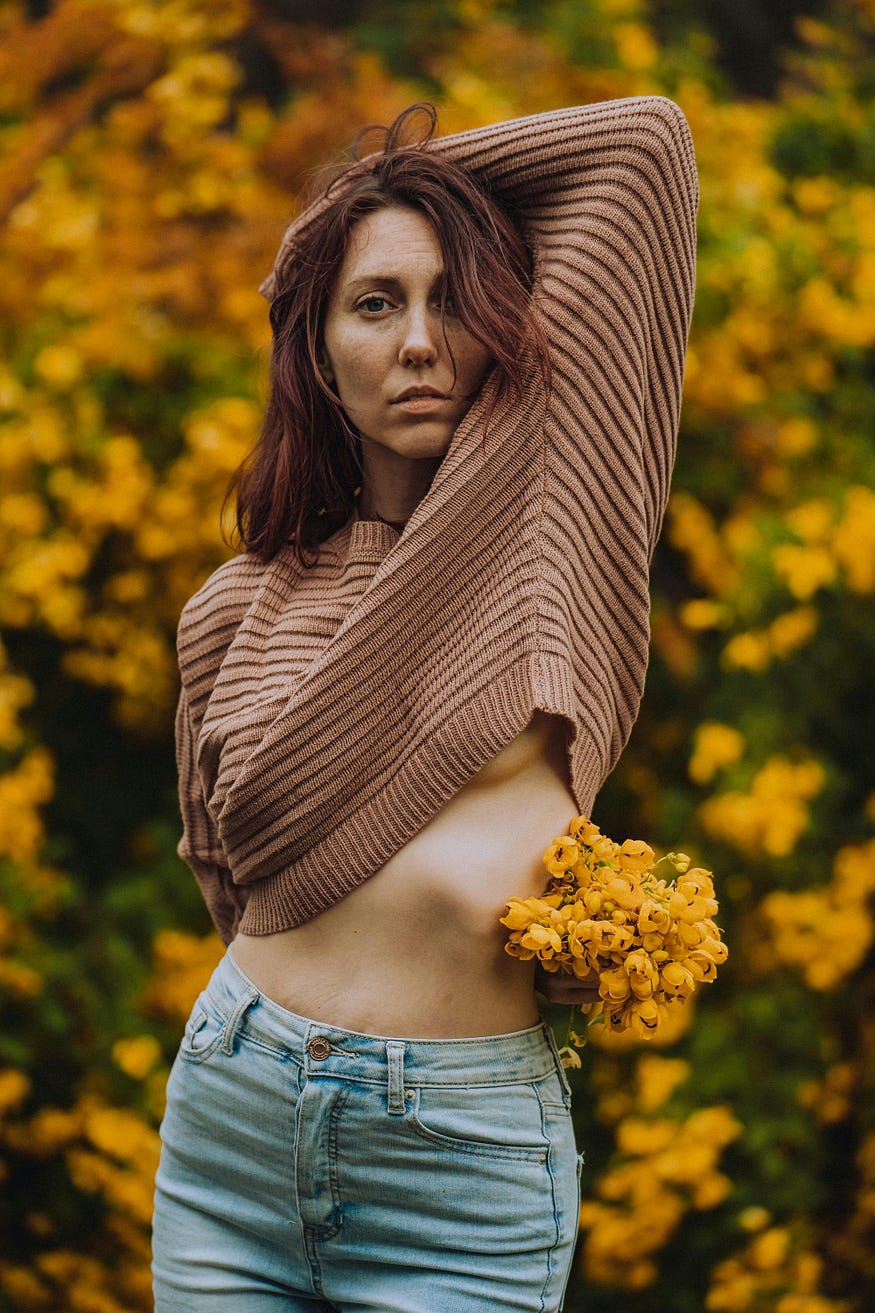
x=417, y=405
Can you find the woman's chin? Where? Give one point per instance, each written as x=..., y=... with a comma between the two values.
x=426, y=440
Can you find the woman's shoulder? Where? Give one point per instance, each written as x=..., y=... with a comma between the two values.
x=219, y=604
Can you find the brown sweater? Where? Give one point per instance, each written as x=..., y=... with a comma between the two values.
x=327, y=714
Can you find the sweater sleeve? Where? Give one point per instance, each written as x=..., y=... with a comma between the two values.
x=608, y=195
x=200, y=846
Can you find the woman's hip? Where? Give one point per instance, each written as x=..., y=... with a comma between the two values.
x=339, y=1149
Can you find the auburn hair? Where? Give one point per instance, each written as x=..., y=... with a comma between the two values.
x=298, y=484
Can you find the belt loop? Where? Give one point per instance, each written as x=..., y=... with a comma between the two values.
x=395, y=1059
x=232, y=1025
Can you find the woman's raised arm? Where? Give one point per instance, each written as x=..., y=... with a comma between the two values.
x=608, y=195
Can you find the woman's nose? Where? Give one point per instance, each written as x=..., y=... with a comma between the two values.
x=420, y=344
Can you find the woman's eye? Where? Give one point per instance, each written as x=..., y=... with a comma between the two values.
x=373, y=304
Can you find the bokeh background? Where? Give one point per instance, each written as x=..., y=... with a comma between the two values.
x=151, y=152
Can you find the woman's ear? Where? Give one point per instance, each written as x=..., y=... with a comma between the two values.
x=324, y=366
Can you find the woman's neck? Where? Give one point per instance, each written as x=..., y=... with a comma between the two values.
x=393, y=486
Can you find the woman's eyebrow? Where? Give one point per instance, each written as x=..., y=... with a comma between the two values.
x=385, y=280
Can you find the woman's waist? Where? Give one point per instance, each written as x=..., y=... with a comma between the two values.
x=394, y=979
x=418, y=946
x=523, y=1054
x=437, y=900
x=414, y=950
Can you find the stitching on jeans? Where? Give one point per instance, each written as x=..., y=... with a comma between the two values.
x=249, y=1029
x=425, y=1084
x=333, y=1173
x=551, y=1252
x=521, y=1155
x=187, y=1052
x=233, y=1023
x=535, y=1154
x=326, y=1232
x=246, y=1036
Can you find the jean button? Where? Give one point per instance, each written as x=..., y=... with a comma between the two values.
x=319, y=1048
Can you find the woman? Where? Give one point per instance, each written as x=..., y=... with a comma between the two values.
x=426, y=660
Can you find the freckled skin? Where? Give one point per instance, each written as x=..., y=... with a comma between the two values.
x=382, y=335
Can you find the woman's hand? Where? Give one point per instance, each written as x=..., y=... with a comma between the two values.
x=557, y=987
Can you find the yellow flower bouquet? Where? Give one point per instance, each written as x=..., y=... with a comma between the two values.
x=606, y=918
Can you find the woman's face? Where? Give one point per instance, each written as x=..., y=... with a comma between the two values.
x=384, y=349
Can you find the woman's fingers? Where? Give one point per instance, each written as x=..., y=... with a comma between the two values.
x=565, y=989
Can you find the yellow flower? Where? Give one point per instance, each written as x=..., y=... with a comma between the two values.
x=561, y=855
x=580, y=934
x=14, y=1088
x=569, y=1057
x=702, y=613
x=854, y=539
x=585, y=971
x=624, y=891
x=583, y=831
x=677, y=980
x=614, y=986
x=653, y=918
x=609, y=938
x=593, y=899
x=635, y=857
x=137, y=1056
x=703, y=966
x=603, y=849
x=644, y=1016
x=520, y=913
x=805, y=569
x=542, y=939
x=643, y=973
x=715, y=745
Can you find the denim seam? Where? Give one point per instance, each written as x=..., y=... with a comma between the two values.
x=498, y=1151
x=465, y=1084
x=557, y=1235
x=246, y=1036
x=379, y=1082
x=505, y=1152
x=326, y=1232
x=194, y=1057
x=310, y=1239
x=333, y=1156
x=579, y=1166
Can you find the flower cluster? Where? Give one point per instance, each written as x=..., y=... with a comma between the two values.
x=606, y=918
x=772, y=815
x=825, y=932
x=664, y=1170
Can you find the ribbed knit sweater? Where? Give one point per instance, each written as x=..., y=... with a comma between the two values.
x=328, y=713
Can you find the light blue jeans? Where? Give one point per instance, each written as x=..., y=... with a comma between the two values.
x=307, y=1167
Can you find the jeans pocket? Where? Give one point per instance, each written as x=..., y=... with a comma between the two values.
x=203, y=1033
x=496, y=1121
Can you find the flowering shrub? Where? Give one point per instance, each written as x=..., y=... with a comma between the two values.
x=150, y=154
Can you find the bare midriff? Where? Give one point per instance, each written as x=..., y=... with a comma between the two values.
x=417, y=950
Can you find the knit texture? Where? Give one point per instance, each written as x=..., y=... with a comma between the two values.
x=328, y=713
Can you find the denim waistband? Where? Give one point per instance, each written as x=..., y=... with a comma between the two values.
x=517, y=1056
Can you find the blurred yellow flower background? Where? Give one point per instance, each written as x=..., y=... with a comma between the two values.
x=150, y=157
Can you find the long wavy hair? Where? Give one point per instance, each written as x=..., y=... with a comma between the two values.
x=298, y=484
